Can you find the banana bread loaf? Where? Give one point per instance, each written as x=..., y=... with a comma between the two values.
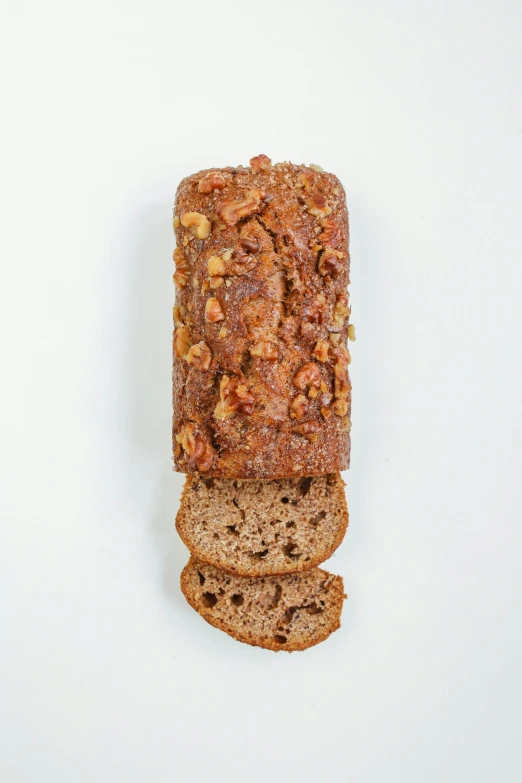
x=260, y=382
x=261, y=527
x=280, y=613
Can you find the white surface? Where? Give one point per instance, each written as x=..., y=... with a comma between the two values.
x=106, y=674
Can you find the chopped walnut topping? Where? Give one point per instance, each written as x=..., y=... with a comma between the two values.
x=213, y=311
x=250, y=243
x=234, y=398
x=181, y=275
x=326, y=412
x=351, y=332
x=317, y=205
x=305, y=180
x=320, y=351
x=182, y=342
x=199, y=356
x=232, y=211
x=340, y=407
x=341, y=309
x=179, y=315
x=315, y=312
x=308, y=375
x=175, y=222
x=260, y=163
x=334, y=338
x=223, y=332
x=265, y=349
x=185, y=241
x=198, y=451
x=216, y=282
x=227, y=255
x=199, y=225
x=331, y=233
x=204, y=286
x=330, y=263
x=216, y=266
x=310, y=430
x=342, y=381
x=313, y=392
x=347, y=424
x=210, y=182
x=298, y=407
x=315, y=167
x=242, y=263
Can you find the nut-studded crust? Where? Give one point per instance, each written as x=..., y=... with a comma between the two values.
x=262, y=270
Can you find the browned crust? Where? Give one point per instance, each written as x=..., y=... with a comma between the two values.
x=274, y=299
x=337, y=594
x=293, y=568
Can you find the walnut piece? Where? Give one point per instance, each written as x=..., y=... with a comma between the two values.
x=309, y=429
x=315, y=312
x=305, y=180
x=341, y=309
x=321, y=350
x=317, y=205
x=179, y=315
x=260, y=163
x=331, y=233
x=265, y=349
x=198, y=225
x=199, y=356
x=298, y=407
x=199, y=453
x=210, y=182
x=181, y=275
x=232, y=211
x=216, y=266
x=308, y=375
x=330, y=263
x=182, y=342
x=234, y=398
x=214, y=311
x=242, y=262
x=175, y=221
x=342, y=382
x=351, y=332
x=250, y=243
x=216, y=282
x=340, y=407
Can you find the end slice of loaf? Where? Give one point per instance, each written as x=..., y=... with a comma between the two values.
x=290, y=613
x=256, y=527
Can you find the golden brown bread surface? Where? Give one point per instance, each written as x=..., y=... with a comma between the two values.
x=260, y=382
x=258, y=527
x=280, y=613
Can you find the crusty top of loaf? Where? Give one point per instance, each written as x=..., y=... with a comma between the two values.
x=262, y=270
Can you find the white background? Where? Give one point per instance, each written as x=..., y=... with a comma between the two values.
x=106, y=675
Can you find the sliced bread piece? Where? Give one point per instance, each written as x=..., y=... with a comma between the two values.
x=257, y=527
x=290, y=612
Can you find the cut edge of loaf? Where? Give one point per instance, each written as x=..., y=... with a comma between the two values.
x=276, y=642
x=261, y=567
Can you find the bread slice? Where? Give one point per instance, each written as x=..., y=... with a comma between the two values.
x=257, y=527
x=290, y=612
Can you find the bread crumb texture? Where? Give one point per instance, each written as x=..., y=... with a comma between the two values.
x=260, y=527
x=289, y=613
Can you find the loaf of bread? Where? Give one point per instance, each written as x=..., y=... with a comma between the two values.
x=259, y=527
x=260, y=384
x=279, y=613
